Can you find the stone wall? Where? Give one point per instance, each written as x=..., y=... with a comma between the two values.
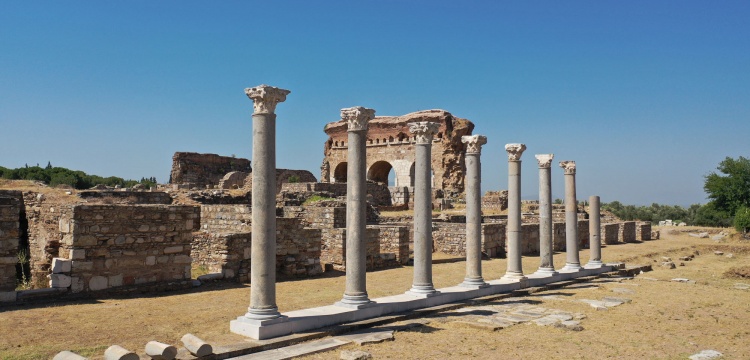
x=378, y=194
x=610, y=233
x=10, y=236
x=390, y=147
x=43, y=215
x=226, y=218
x=318, y=217
x=386, y=245
x=200, y=170
x=493, y=240
x=126, y=197
x=643, y=231
x=495, y=200
x=233, y=180
x=626, y=232
x=584, y=236
x=401, y=195
x=449, y=238
x=121, y=245
x=529, y=239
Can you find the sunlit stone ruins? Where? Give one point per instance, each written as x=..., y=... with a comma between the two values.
x=251, y=222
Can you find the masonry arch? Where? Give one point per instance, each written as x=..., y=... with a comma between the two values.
x=339, y=174
x=412, y=176
x=381, y=171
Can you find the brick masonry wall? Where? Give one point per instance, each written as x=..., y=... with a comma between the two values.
x=10, y=232
x=226, y=218
x=529, y=239
x=643, y=231
x=493, y=240
x=318, y=217
x=43, y=215
x=121, y=245
x=200, y=170
x=583, y=234
x=129, y=197
x=626, y=231
x=449, y=238
x=495, y=200
x=610, y=233
x=387, y=246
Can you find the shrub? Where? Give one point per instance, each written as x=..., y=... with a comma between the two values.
x=742, y=219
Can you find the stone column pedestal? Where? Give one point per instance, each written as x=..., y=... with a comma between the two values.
x=515, y=270
x=572, y=262
x=422, y=285
x=595, y=240
x=546, y=252
x=473, y=183
x=355, y=295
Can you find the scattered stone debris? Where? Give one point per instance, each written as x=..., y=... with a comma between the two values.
x=605, y=303
x=623, y=291
x=717, y=252
x=355, y=355
x=370, y=336
x=570, y=325
x=504, y=315
x=648, y=278
x=718, y=238
x=729, y=255
x=683, y=280
x=668, y=265
x=740, y=286
x=706, y=355
x=687, y=258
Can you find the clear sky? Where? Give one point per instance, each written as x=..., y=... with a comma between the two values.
x=646, y=96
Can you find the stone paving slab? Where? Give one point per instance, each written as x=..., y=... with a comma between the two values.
x=293, y=351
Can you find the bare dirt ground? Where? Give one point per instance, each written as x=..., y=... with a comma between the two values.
x=664, y=320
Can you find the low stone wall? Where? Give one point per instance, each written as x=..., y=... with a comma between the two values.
x=401, y=195
x=626, y=232
x=558, y=237
x=226, y=218
x=387, y=246
x=583, y=234
x=493, y=240
x=449, y=238
x=495, y=200
x=610, y=233
x=379, y=193
x=122, y=245
x=318, y=217
x=43, y=215
x=529, y=239
x=10, y=228
x=643, y=231
x=127, y=197
x=298, y=248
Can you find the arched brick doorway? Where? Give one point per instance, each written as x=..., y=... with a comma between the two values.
x=379, y=172
x=339, y=174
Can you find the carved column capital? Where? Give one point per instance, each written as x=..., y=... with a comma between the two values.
x=424, y=130
x=474, y=143
x=357, y=117
x=515, y=151
x=265, y=98
x=544, y=160
x=569, y=167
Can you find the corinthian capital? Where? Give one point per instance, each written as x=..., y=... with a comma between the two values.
x=265, y=98
x=569, y=167
x=544, y=160
x=424, y=130
x=474, y=143
x=357, y=117
x=515, y=151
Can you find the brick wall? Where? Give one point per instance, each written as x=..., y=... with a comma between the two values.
x=121, y=245
x=626, y=232
x=610, y=233
x=386, y=246
x=226, y=218
x=643, y=231
x=127, y=197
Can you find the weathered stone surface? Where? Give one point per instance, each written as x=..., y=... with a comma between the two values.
x=390, y=146
x=355, y=355
x=196, y=346
x=116, y=352
x=371, y=336
x=706, y=355
x=59, y=281
x=160, y=351
x=60, y=266
x=199, y=170
x=68, y=355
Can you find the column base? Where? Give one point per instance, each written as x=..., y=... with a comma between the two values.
x=514, y=276
x=546, y=271
x=355, y=302
x=263, y=314
x=593, y=265
x=423, y=291
x=259, y=329
x=571, y=268
x=474, y=283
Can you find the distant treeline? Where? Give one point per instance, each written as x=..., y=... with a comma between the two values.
x=696, y=214
x=54, y=176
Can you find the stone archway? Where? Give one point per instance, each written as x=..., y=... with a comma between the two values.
x=379, y=172
x=339, y=174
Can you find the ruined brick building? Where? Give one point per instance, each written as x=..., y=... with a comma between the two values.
x=390, y=146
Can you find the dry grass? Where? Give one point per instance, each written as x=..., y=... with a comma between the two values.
x=665, y=320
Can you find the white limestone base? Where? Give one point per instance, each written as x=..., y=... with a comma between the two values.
x=320, y=317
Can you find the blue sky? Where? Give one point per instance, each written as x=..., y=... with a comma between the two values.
x=646, y=96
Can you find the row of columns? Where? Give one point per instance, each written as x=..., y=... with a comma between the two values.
x=263, y=258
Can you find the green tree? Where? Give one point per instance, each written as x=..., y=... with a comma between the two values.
x=742, y=219
x=730, y=191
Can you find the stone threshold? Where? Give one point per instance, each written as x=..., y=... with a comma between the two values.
x=255, y=346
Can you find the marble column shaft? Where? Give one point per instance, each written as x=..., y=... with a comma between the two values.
x=546, y=250
x=356, y=203
x=515, y=269
x=424, y=132
x=473, y=184
x=263, y=256
x=572, y=262
x=595, y=240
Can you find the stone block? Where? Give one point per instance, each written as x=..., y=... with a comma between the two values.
x=115, y=280
x=196, y=346
x=98, y=283
x=7, y=296
x=173, y=249
x=182, y=259
x=67, y=355
x=116, y=352
x=60, y=266
x=82, y=266
x=160, y=351
x=77, y=254
x=150, y=260
x=77, y=285
x=59, y=281
x=8, y=260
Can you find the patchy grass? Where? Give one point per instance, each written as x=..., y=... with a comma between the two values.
x=665, y=320
x=738, y=272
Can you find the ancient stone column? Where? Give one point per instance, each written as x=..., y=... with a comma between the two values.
x=572, y=263
x=515, y=270
x=424, y=132
x=595, y=240
x=263, y=256
x=473, y=211
x=357, y=119
x=546, y=266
